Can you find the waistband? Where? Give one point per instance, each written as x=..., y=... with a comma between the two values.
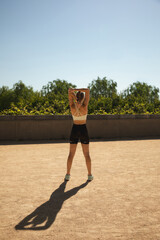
x=79, y=124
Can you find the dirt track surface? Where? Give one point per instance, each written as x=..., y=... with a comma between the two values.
x=121, y=203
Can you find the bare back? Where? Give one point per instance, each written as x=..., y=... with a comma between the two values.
x=78, y=109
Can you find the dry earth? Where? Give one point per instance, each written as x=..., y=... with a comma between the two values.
x=121, y=203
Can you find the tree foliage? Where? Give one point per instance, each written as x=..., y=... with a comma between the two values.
x=138, y=98
x=102, y=88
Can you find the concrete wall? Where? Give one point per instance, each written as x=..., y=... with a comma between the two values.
x=99, y=127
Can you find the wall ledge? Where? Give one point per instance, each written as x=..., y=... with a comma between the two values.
x=89, y=117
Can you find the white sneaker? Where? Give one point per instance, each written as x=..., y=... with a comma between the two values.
x=67, y=177
x=90, y=177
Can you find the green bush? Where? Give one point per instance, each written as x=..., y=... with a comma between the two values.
x=139, y=98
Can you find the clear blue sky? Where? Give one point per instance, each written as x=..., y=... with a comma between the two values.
x=79, y=40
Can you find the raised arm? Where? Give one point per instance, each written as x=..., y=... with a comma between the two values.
x=87, y=94
x=80, y=89
x=71, y=97
x=86, y=90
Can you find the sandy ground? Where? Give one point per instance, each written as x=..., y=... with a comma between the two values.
x=122, y=202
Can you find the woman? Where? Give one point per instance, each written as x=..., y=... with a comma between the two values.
x=79, y=107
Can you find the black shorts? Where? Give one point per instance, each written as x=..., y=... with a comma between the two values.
x=79, y=132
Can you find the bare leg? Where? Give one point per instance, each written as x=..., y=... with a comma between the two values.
x=85, y=148
x=70, y=157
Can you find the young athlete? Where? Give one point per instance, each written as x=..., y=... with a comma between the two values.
x=78, y=101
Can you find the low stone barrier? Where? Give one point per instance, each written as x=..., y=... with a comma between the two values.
x=58, y=127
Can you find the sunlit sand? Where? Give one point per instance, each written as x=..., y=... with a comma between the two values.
x=122, y=202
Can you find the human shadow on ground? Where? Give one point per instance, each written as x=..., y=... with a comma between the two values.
x=46, y=213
